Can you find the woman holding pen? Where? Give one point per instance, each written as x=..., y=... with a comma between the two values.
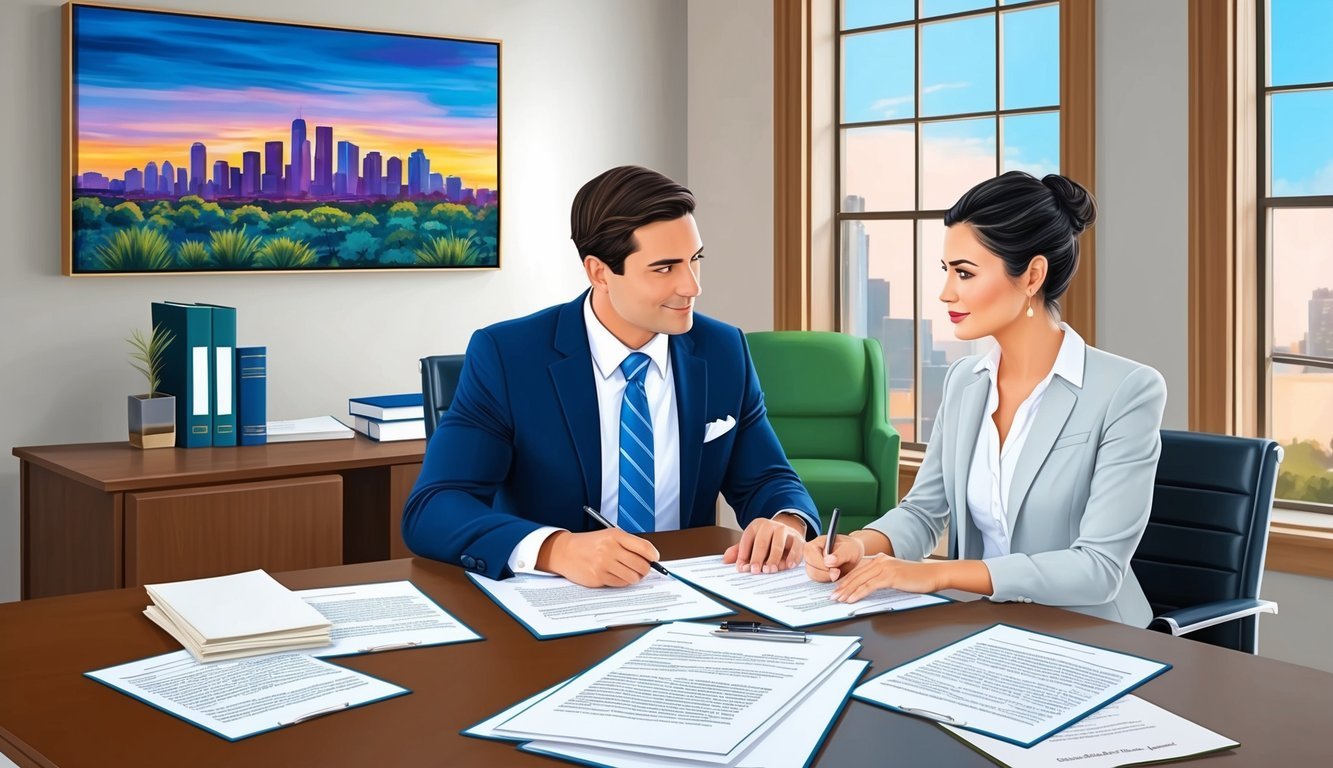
x=1044, y=451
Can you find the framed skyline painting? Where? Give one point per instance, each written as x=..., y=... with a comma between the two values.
x=205, y=144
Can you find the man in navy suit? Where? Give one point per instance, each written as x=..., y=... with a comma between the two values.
x=624, y=400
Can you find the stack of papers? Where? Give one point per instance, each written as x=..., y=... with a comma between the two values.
x=1129, y=731
x=1010, y=684
x=681, y=695
x=789, y=597
x=228, y=617
x=553, y=606
x=317, y=428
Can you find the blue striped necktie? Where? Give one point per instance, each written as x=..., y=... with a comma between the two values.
x=636, y=495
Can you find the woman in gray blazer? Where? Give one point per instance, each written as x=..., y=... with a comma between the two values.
x=1043, y=454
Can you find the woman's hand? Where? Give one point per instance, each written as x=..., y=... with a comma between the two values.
x=848, y=552
x=885, y=572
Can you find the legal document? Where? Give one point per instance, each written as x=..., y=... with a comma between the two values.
x=243, y=697
x=1128, y=731
x=1009, y=683
x=552, y=606
x=789, y=597
x=380, y=617
x=790, y=743
x=680, y=691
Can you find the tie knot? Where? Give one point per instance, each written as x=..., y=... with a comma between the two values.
x=635, y=366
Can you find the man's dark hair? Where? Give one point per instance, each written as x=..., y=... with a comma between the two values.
x=609, y=208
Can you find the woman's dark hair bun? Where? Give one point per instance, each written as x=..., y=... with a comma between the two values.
x=1073, y=199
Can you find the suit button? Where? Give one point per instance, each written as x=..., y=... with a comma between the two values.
x=481, y=565
x=467, y=561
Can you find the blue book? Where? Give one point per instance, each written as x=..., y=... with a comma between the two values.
x=222, y=386
x=252, y=394
x=186, y=370
x=388, y=407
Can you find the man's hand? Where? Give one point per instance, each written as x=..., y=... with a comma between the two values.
x=768, y=546
x=606, y=558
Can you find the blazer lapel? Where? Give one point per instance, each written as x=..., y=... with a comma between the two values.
x=1056, y=405
x=970, y=412
x=574, y=385
x=690, y=375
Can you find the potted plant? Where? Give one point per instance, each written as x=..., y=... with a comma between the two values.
x=152, y=416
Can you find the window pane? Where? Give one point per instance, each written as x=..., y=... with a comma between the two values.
x=956, y=155
x=1302, y=301
x=1298, y=41
x=1302, y=155
x=1303, y=425
x=870, y=13
x=879, y=168
x=941, y=7
x=1031, y=143
x=1031, y=57
x=879, y=287
x=958, y=66
x=877, y=72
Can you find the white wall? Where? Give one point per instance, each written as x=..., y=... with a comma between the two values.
x=1142, y=189
x=730, y=148
x=587, y=84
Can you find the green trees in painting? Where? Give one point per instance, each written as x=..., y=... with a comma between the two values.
x=115, y=235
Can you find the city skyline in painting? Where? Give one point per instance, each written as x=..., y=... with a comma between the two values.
x=358, y=149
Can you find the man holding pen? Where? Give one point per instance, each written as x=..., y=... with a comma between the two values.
x=623, y=400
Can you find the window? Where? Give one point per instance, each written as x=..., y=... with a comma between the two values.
x=1295, y=251
x=934, y=96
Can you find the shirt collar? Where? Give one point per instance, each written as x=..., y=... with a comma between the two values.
x=608, y=352
x=1068, y=361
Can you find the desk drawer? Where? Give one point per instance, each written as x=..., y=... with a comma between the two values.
x=190, y=533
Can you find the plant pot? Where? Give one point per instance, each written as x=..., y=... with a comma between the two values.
x=152, y=421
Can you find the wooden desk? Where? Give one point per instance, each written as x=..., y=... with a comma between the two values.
x=50, y=715
x=107, y=515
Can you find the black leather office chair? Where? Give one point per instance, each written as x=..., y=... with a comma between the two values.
x=1201, y=560
x=439, y=379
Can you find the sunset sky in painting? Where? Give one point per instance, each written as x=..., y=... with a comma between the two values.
x=151, y=84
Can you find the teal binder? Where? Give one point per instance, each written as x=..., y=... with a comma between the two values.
x=222, y=384
x=186, y=369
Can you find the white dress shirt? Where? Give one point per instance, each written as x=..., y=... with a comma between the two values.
x=608, y=353
x=992, y=471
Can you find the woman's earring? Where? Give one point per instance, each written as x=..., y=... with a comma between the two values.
x=1030, y=306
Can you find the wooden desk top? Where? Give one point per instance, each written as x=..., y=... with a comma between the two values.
x=50, y=715
x=112, y=467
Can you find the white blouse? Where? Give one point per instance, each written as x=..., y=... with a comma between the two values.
x=992, y=470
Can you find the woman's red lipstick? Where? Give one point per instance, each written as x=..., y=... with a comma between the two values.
x=958, y=317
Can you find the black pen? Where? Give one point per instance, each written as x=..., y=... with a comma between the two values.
x=832, y=531
x=595, y=515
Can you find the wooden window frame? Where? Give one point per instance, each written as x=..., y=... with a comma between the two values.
x=1226, y=369
x=794, y=278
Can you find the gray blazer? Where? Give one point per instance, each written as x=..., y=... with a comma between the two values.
x=1080, y=495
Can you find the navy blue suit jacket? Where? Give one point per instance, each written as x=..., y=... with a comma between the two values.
x=520, y=446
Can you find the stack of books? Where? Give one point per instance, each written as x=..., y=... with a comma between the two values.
x=389, y=417
x=230, y=617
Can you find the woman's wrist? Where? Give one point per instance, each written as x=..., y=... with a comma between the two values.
x=873, y=541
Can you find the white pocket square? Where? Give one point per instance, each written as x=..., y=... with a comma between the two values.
x=718, y=428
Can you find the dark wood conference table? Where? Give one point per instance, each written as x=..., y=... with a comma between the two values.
x=51, y=715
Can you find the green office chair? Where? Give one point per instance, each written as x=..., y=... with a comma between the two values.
x=826, y=400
